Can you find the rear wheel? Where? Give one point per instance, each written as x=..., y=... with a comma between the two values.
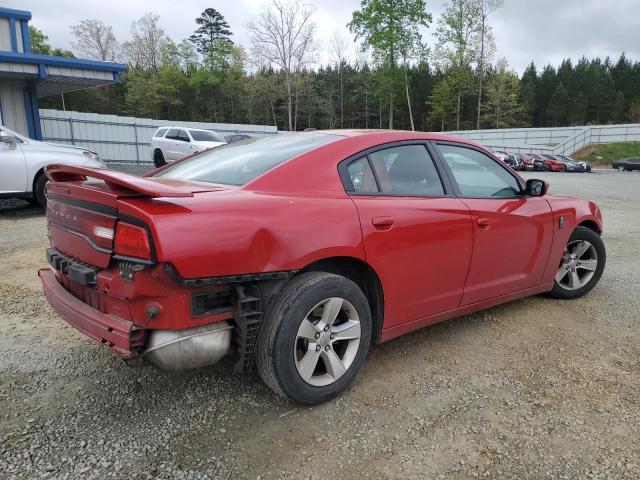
x=158, y=158
x=315, y=338
x=581, y=266
x=621, y=168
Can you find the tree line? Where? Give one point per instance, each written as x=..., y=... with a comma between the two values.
x=394, y=81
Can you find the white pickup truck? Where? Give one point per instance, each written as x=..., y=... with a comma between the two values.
x=171, y=143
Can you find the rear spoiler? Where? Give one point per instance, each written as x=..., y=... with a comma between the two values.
x=114, y=180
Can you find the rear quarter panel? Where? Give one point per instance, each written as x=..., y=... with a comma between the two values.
x=239, y=232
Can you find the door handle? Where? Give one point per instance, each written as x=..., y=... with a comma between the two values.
x=483, y=223
x=382, y=223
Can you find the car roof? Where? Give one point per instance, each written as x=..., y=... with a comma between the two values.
x=310, y=170
x=398, y=134
x=179, y=127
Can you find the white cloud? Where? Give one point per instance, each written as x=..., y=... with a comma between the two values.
x=545, y=31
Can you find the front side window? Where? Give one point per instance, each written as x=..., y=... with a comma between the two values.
x=183, y=136
x=477, y=174
x=406, y=170
x=240, y=162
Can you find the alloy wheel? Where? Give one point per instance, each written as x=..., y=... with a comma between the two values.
x=578, y=265
x=327, y=341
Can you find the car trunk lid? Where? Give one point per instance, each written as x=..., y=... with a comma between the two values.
x=83, y=203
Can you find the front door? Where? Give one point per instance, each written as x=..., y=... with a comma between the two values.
x=13, y=168
x=512, y=232
x=417, y=235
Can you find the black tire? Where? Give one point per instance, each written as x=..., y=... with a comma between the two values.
x=583, y=233
x=276, y=345
x=158, y=158
x=39, y=196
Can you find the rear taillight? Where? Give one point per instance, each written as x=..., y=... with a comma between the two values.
x=131, y=241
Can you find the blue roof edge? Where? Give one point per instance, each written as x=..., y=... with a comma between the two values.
x=13, y=13
x=34, y=58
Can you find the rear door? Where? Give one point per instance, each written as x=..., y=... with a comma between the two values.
x=512, y=232
x=417, y=235
x=171, y=144
x=183, y=144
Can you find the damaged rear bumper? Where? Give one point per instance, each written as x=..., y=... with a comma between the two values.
x=119, y=335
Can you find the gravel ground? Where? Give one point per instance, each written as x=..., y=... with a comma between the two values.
x=533, y=389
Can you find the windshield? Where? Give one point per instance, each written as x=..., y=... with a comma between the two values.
x=237, y=163
x=205, y=136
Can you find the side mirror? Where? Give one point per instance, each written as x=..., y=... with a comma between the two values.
x=536, y=188
x=9, y=141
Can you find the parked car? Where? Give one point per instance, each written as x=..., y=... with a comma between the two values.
x=513, y=161
x=518, y=161
x=527, y=162
x=22, y=163
x=571, y=166
x=627, y=164
x=301, y=250
x=554, y=163
x=582, y=166
x=237, y=137
x=171, y=143
x=502, y=155
x=539, y=163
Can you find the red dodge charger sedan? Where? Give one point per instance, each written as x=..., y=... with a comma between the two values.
x=294, y=253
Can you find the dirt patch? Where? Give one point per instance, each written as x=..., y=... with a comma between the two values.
x=533, y=389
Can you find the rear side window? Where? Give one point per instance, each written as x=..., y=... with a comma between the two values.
x=240, y=162
x=161, y=132
x=361, y=176
x=477, y=174
x=407, y=170
x=183, y=136
x=173, y=134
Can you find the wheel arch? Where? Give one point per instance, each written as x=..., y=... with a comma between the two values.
x=363, y=275
x=591, y=225
x=38, y=174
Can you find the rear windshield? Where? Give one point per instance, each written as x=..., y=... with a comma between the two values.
x=238, y=163
x=161, y=132
x=201, y=136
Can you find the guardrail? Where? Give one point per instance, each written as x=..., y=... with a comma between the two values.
x=560, y=141
x=125, y=140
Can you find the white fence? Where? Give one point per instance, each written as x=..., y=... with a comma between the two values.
x=122, y=139
x=127, y=139
x=555, y=141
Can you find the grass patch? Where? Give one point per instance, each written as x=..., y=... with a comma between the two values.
x=607, y=153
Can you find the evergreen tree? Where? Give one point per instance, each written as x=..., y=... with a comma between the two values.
x=211, y=38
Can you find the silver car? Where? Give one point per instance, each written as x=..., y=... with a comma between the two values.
x=22, y=163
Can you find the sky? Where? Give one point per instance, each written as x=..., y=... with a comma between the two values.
x=542, y=31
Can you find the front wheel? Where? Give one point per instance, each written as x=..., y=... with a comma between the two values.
x=581, y=266
x=315, y=338
x=39, y=191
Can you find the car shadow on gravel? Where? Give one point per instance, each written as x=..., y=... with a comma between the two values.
x=15, y=208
